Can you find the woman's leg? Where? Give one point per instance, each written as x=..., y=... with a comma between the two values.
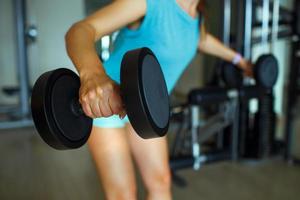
x=111, y=153
x=152, y=160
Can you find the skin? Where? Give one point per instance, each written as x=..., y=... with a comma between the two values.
x=114, y=149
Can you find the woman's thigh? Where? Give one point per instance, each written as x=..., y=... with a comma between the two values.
x=111, y=153
x=151, y=156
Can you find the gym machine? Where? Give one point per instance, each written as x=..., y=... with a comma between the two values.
x=197, y=130
x=229, y=134
x=272, y=22
x=275, y=24
x=293, y=88
x=19, y=115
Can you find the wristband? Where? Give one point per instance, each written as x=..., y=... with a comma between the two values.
x=237, y=58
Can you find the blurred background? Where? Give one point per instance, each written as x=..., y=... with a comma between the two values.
x=250, y=153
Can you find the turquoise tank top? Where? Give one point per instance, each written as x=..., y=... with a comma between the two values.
x=170, y=32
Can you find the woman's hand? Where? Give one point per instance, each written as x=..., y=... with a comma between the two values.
x=247, y=67
x=100, y=96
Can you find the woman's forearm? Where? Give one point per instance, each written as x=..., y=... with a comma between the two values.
x=211, y=45
x=80, y=45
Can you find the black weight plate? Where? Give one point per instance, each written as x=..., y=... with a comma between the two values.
x=144, y=93
x=65, y=91
x=231, y=75
x=266, y=71
x=52, y=111
x=156, y=96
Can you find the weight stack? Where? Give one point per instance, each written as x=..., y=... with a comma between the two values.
x=265, y=125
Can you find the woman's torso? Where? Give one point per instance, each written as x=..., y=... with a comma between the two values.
x=170, y=32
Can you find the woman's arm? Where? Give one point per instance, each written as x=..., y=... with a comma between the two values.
x=82, y=35
x=99, y=95
x=211, y=45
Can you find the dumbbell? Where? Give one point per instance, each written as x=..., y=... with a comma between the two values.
x=58, y=116
x=265, y=73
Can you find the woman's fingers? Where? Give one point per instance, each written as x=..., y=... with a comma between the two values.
x=116, y=103
x=247, y=67
x=101, y=101
x=95, y=105
x=100, y=96
x=86, y=107
x=105, y=108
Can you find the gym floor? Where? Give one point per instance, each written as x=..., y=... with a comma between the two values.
x=29, y=169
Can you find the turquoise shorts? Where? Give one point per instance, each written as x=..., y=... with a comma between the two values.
x=110, y=122
x=114, y=121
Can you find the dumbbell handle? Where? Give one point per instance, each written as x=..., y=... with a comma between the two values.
x=76, y=108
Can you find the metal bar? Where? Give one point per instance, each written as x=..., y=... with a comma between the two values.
x=240, y=28
x=183, y=162
x=281, y=22
x=220, y=139
x=208, y=131
x=226, y=22
x=282, y=34
x=275, y=20
x=265, y=21
x=235, y=132
x=248, y=29
x=8, y=109
x=22, y=62
x=177, y=138
x=297, y=17
x=243, y=126
x=16, y=124
x=195, y=122
x=211, y=127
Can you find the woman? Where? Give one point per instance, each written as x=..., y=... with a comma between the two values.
x=171, y=28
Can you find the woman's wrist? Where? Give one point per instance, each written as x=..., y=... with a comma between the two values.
x=239, y=61
x=87, y=71
x=236, y=59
